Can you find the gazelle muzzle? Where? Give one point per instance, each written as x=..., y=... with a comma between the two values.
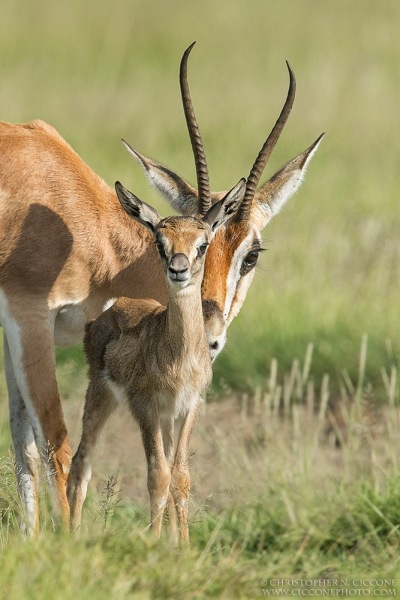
x=179, y=268
x=215, y=327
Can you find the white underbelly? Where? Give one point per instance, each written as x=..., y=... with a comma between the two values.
x=177, y=405
x=169, y=405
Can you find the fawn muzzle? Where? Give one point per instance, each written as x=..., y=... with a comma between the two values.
x=179, y=268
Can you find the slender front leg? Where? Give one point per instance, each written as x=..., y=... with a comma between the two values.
x=158, y=469
x=26, y=453
x=180, y=484
x=31, y=371
x=99, y=405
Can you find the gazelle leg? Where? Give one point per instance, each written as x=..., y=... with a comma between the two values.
x=158, y=469
x=180, y=483
x=99, y=405
x=167, y=426
x=31, y=353
x=26, y=453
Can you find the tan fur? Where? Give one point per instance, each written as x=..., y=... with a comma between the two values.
x=158, y=359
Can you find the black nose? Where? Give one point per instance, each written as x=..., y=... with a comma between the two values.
x=214, y=346
x=179, y=266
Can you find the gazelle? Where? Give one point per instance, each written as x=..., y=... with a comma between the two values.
x=155, y=358
x=67, y=247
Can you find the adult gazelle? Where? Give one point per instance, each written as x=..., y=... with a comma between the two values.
x=67, y=248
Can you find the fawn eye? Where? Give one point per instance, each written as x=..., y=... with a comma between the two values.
x=202, y=249
x=250, y=262
x=160, y=248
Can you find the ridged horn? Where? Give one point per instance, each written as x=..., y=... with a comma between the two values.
x=203, y=182
x=257, y=169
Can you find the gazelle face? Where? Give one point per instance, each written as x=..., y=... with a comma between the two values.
x=230, y=267
x=229, y=270
x=182, y=243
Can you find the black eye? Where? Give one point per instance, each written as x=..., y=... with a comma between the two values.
x=202, y=249
x=249, y=262
x=160, y=248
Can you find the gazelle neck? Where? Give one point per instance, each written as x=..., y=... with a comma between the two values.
x=185, y=317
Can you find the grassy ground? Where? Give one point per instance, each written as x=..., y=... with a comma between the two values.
x=293, y=490
x=103, y=71
x=289, y=498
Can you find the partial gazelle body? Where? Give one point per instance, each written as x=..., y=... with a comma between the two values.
x=67, y=248
x=154, y=358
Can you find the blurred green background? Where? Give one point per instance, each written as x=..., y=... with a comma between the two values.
x=272, y=496
x=99, y=71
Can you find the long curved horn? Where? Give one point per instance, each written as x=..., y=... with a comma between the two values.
x=203, y=182
x=257, y=169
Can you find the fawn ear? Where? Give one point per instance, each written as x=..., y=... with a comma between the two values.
x=140, y=211
x=226, y=208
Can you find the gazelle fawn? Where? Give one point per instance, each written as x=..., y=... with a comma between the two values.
x=156, y=359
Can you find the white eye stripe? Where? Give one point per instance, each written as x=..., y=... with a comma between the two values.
x=234, y=270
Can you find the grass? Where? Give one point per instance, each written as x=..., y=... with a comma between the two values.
x=284, y=484
x=299, y=487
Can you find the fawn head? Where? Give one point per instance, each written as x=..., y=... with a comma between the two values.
x=182, y=242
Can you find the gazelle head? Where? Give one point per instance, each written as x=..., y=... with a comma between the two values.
x=182, y=242
x=234, y=251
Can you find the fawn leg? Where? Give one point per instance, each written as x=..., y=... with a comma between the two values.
x=167, y=427
x=158, y=469
x=99, y=405
x=180, y=483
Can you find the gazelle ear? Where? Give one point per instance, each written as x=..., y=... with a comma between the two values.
x=226, y=208
x=273, y=195
x=179, y=194
x=140, y=211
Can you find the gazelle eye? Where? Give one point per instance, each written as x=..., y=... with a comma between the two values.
x=202, y=249
x=250, y=262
